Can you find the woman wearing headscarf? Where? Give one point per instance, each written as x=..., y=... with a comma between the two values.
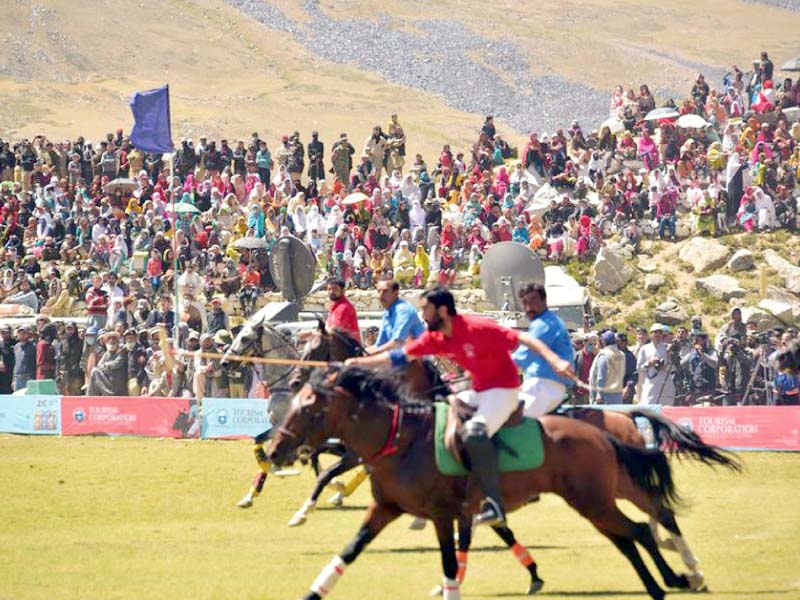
x=421, y=266
x=403, y=264
x=416, y=215
x=746, y=213
x=648, y=151
x=118, y=254
x=362, y=271
x=255, y=220
x=520, y=233
x=299, y=221
x=765, y=209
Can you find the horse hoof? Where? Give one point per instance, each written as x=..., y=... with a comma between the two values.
x=536, y=585
x=337, y=485
x=245, y=503
x=437, y=590
x=286, y=473
x=337, y=499
x=668, y=544
x=697, y=582
x=297, y=520
x=418, y=524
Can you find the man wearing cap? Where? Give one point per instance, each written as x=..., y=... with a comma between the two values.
x=217, y=318
x=110, y=376
x=583, y=364
x=631, y=377
x=45, y=354
x=342, y=158
x=542, y=389
x=316, y=152
x=205, y=369
x=341, y=312
x=137, y=360
x=607, y=374
x=24, y=358
x=6, y=360
x=700, y=365
x=26, y=295
x=69, y=351
x=97, y=303
x=654, y=366
x=223, y=379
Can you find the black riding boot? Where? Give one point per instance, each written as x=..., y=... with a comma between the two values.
x=482, y=456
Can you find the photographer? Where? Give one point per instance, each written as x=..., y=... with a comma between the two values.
x=700, y=367
x=654, y=365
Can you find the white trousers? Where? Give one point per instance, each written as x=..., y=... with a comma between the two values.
x=492, y=406
x=541, y=396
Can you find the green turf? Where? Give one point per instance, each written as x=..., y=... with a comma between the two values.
x=86, y=518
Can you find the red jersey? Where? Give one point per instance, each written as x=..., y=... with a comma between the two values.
x=478, y=345
x=343, y=316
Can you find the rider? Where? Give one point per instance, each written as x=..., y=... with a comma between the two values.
x=482, y=347
x=400, y=320
x=341, y=313
x=542, y=389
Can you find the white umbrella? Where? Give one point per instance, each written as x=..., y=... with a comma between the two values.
x=251, y=243
x=355, y=198
x=692, y=122
x=120, y=183
x=615, y=125
x=666, y=112
x=185, y=208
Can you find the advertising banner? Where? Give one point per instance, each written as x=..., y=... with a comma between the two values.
x=742, y=427
x=35, y=415
x=234, y=417
x=122, y=415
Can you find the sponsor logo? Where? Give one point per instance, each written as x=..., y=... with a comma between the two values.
x=222, y=417
x=78, y=415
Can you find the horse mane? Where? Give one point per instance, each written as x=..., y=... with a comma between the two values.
x=354, y=345
x=368, y=385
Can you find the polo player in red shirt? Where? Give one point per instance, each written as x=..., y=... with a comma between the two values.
x=482, y=347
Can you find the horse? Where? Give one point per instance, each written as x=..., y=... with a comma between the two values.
x=394, y=436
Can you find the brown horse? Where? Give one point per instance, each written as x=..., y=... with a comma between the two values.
x=583, y=465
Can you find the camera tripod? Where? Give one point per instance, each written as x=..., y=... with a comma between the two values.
x=762, y=369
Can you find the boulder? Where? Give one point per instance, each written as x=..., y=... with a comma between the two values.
x=721, y=286
x=683, y=229
x=742, y=260
x=647, y=264
x=782, y=295
x=704, y=254
x=611, y=274
x=670, y=313
x=782, y=311
x=762, y=319
x=789, y=272
x=653, y=281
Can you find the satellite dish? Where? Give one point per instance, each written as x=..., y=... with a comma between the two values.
x=292, y=266
x=504, y=268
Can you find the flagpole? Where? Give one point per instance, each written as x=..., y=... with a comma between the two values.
x=174, y=251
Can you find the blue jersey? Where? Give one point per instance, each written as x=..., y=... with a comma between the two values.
x=400, y=322
x=550, y=329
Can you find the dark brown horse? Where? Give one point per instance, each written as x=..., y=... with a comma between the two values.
x=583, y=465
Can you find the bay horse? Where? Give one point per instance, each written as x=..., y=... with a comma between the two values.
x=394, y=436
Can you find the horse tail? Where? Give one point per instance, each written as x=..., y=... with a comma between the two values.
x=682, y=441
x=649, y=469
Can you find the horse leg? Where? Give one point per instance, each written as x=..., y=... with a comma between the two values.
x=619, y=529
x=346, y=490
x=378, y=516
x=447, y=548
x=696, y=578
x=255, y=490
x=464, y=542
x=644, y=536
x=264, y=464
x=522, y=555
x=347, y=462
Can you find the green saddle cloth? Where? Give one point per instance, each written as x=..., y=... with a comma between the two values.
x=525, y=439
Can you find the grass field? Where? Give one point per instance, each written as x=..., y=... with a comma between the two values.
x=88, y=518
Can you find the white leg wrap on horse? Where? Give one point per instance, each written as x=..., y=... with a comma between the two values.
x=328, y=577
x=689, y=559
x=450, y=589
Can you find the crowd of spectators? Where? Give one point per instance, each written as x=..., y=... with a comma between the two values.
x=95, y=222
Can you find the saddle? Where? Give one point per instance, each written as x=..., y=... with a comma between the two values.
x=459, y=413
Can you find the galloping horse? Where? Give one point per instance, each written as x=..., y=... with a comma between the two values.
x=583, y=465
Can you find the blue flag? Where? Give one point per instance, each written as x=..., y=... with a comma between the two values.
x=151, y=128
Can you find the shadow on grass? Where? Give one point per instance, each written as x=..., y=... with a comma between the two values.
x=614, y=593
x=435, y=550
x=349, y=507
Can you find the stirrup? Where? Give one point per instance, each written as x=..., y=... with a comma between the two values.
x=491, y=514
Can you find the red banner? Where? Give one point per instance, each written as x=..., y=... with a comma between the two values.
x=121, y=415
x=742, y=427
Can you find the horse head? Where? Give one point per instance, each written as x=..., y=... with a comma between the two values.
x=307, y=423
